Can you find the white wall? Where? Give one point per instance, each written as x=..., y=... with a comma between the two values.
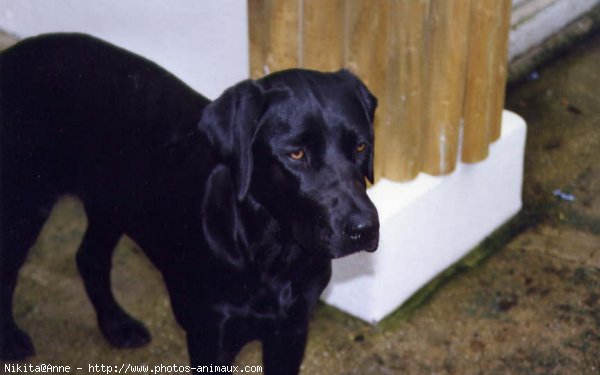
x=533, y=21
x=203, y=42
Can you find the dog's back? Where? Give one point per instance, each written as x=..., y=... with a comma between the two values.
x=74, y=108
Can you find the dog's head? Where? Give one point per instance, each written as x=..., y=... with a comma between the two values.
x=300, y=143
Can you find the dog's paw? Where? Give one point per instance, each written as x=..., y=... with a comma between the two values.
x=125, y=332
x=15, y=345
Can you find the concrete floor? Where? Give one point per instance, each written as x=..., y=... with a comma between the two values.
x=533, y=307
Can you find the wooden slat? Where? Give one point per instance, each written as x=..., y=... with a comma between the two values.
x=405, y=90
x=365, y=40
x=364, y=53
x=322, y=34
x=446, y=64
x=480, y=80
x=500, y=73
x=274, y=34
x=486, y=76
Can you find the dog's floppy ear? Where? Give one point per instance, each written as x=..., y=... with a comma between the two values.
x=369, y=104
x=221, y=223
x=230, y=123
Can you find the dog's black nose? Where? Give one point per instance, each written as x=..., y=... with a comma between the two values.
x=361, y=229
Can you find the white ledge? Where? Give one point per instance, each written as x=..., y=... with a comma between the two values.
x=428, y=224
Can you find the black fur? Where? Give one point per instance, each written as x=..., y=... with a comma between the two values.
x=242, y=232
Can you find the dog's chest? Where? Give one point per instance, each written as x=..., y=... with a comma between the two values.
x=261, y=303
x=282, y=289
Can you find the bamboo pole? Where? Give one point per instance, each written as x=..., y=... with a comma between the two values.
x=274, y=34
x=405, y=91
x=479, y=80
x=486, y=75
x=500, y=73
x=322, y=34
x=446, y=64
x=365, y=40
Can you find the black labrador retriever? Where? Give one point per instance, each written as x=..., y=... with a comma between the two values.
x=241, y=203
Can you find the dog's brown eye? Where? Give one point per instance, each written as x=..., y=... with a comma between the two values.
x=297, y=155
x=361, y=147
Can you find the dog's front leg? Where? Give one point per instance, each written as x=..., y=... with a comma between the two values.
x=283, y=348
x=207, y=348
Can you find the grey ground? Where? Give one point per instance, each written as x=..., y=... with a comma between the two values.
x=533, y=307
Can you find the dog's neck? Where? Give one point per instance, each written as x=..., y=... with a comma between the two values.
x=268, y=243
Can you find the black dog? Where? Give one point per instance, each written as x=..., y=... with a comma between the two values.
x=241, y=203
